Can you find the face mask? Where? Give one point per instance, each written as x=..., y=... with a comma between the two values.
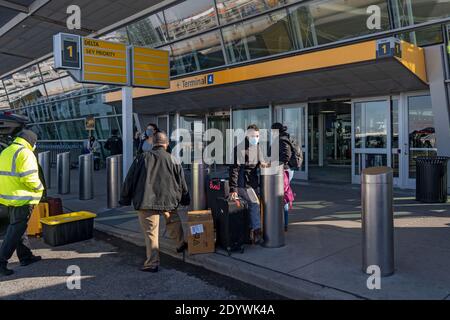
x=149, y=133
x=253, y=141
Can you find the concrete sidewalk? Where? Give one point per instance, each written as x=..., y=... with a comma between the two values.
x=322, y=256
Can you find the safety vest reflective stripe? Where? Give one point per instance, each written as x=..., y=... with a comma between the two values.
x=20, y=175
x=27, y=198
x=14, y=159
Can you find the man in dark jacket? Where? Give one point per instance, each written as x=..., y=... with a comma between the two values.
x=244, y=178
x=156, y=186
x=286, y=152
x=114, y=143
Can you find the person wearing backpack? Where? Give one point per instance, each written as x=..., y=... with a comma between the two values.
x=291, y=156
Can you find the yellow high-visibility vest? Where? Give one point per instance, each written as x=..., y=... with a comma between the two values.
x=19, y=176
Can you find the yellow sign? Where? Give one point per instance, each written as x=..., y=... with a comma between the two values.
x=150, y=68
x=104, y=62
x=90, y=123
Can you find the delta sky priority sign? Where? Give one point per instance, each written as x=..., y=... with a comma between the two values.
x=91, y=60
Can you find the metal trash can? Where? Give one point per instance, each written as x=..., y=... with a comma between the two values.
x=272, y=191
x=86, y=173
x=114, y=174
x=378, y=219
x=431, y=179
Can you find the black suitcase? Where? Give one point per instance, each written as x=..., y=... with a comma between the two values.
x=217, y=188
x=233, y=224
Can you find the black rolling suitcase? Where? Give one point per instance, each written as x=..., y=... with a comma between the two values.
x=233, y=227
x=217, y=188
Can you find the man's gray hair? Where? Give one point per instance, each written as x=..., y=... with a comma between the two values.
x=160, y=138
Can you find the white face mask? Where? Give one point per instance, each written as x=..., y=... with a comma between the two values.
x=253, y=141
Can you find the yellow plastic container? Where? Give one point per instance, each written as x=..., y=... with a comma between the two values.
x=40, y=211
x=68, y=228
x=68, y=217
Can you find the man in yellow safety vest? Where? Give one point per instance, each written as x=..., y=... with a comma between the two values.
x=20, y=190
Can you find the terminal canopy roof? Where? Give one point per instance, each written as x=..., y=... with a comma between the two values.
x=27, y=26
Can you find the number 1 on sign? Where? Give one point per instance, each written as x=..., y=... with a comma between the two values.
x=70, y=48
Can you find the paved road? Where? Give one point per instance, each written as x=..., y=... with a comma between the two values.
x=109, y=270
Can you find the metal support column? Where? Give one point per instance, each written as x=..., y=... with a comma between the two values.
x=127, y=128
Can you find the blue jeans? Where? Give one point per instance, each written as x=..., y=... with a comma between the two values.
x=286, y=206
x=254, y=209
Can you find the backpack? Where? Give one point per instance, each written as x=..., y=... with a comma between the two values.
x=296, y=160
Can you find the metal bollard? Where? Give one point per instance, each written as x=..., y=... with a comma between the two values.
x=272, y=191
x=114, y=176
x=378, y=219
x=44, y=162
x=198, y=185
x=63, y=172
x=86, y=173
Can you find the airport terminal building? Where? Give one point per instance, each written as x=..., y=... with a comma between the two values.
x=355, y=95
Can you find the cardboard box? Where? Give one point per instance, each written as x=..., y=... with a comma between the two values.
x=200, y=232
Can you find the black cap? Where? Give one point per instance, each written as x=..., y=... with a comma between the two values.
x=29, y=136
x=278, y=126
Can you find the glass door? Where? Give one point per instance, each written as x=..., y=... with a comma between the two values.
x=221, y=123
x=295, y=117
x=371, y=143
x=419, y=134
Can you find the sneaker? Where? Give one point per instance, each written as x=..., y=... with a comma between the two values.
x=257, y=236
x=31, y=260
x=149, y=269
x=4, y=271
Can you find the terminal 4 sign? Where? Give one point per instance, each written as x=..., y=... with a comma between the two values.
x=96, y=61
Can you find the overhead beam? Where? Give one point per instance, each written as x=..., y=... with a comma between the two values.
x=14, y=6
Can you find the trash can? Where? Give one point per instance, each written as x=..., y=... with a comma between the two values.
x=431, y=179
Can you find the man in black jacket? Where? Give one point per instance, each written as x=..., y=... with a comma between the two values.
x=114, y=143
x=155, y=184
x=244, y=178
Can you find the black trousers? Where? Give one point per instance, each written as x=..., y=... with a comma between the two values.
x=16, y=238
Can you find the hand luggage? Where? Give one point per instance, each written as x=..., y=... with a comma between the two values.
x=233, y=227
x=34, y=224
x=217, y=188
x=55, y=206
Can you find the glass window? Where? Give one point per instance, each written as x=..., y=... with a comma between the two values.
x=150, y=31
x=45, y=131
x=190, y=17
x=424, y=37
x=410, y=12
x=48, y=72
x=322, y=22
x=259, y=37
x=420, y=122
x=116, y=36
x=23, y=79
x=245, y=117
x=232, y=10
x=371, y=124
x=54, y=87
x=70, y=85
x=71, y=130
x=422, y=136
x=26, y=97
x=2, y=89
x=4, y=102
x=199, y=53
